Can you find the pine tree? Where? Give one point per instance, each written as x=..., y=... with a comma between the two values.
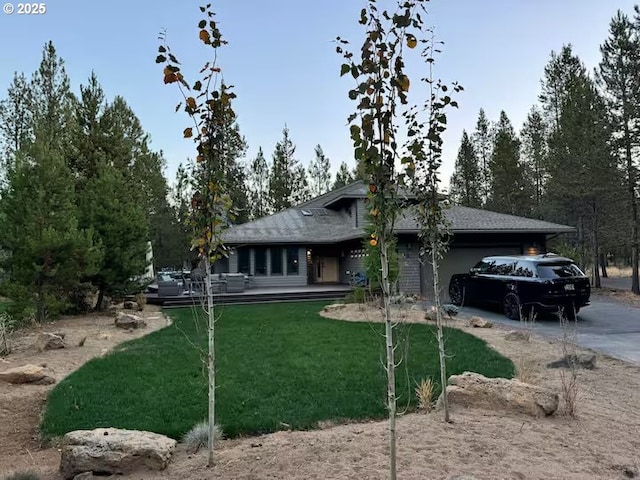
x=583, y=174
x=618, y=77
x=534, y=153
x=466, y=184
x=319, y=173
x=343, y=176
x=287, y=183
x=48, y=255
x=16, y=126
x=483, y=143
x=561, y=70
x=258, y=186
x=509, y=191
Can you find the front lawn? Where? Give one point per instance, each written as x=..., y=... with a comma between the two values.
x=278, y=365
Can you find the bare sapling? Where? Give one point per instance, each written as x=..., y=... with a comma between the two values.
x=207, y=101
x=426, y=126
x=569, y=375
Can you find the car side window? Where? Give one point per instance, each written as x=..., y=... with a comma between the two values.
x=497, y=267
x=524, y=269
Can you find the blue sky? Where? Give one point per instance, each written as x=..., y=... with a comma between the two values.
x=282, y=61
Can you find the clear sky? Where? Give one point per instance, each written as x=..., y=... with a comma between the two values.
x=282, y=61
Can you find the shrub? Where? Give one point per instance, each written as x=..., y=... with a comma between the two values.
x=358, y=295
x=141, y=300
x=198, y=436
x=23, y=476
x=6, y=326
x=80, y=299
x=424, y=393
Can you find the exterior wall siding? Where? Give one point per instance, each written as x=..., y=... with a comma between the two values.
x=410, y=278
x=353, y=261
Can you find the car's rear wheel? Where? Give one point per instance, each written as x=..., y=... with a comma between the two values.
x=455, y=292
x=511, y=306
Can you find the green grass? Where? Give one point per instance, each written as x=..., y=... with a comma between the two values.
x=276, y=363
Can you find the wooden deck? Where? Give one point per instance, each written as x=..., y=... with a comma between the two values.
x=257, y=295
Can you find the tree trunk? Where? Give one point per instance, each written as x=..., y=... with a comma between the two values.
x=98, y=307
x=631, y=180
x=595, y=249
x=211, y=361
x=439, y=333
x=391, y=378
x=41, y=310
x=603, y=265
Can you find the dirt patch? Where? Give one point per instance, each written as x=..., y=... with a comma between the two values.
x=600, y=444
x=625, y=297
x=21, y=405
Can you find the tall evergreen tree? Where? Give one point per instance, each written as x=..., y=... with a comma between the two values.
x=618, y=75
x=120, y=225
x=534, y=153
x=287, y=182
x=258, y=186
x=509, y=191
x=51, y=102
x=319, y=173
x=16, y=125
x=48, y=255
x=561, y=70
x=483, y=143
x=583, y=174
x=466, y=181
x=343, y=176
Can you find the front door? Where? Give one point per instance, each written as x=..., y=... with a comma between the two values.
x=325, y=270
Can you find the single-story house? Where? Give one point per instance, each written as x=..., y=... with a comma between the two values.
x=321, y=240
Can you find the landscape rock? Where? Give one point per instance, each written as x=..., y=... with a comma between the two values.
x=478, y=322
x=46, y=380
x=430, y=314
x=49, y=341
x=84, y=476
x=129, y=320
x=24, y=374
x=499, y=394
x=113, y=451
x=334, y=307
x=517, y=336
x=129, y=305
x=583, y=360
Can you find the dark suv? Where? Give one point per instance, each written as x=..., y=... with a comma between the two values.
x=522, y=283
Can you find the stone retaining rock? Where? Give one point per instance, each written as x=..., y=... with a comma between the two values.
x=113, y=451
x=583, y=360
x=129, y=320
x=49, y=341
x=24, y=374
x=478, y=322
x=499, y=394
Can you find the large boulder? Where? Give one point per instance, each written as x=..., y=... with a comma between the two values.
x=113, y=451
x=582, y=360
x=517, y=336
x=129, y=321
x=24, y=374
x=49, y=341
x=500, y=394
x=479, y=322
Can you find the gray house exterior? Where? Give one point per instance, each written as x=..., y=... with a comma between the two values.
x=320, y=241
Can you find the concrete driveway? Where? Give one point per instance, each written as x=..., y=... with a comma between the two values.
x=607, y=327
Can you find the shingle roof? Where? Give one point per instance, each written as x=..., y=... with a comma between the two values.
x=473, y=220
x=324, y=225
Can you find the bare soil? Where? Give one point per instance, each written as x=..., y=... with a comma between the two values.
x=603, y=442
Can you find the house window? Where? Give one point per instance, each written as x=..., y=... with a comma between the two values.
x=276, y=261
x=261, y=261
x=244, y=264
x=292, y=261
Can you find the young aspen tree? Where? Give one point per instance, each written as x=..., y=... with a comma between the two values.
x=422, y=163
x=208, y=103
x=381, y=95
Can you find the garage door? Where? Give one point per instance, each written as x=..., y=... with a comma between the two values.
x=460, y=260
